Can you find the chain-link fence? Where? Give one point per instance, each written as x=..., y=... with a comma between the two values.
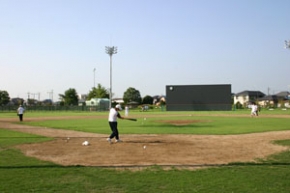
x=53, y=108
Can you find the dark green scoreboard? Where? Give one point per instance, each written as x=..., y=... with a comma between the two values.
x=198, y=97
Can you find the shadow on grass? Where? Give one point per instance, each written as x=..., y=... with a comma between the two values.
x=168, y=125
x=149, y=166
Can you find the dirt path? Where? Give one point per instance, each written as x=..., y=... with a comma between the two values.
x=140, y=150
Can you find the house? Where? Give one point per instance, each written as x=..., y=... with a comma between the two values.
x=98, y=104
x=118, y=100
x=280, y=99
x=158, y=99
x=82, y=97
x=284, y=95
x=268, y=101
x=246, y=97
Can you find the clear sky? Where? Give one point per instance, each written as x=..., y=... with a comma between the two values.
x=54, y=45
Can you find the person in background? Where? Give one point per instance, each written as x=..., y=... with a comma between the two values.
x=20, y=112
x=254, y=111
x=126, y=111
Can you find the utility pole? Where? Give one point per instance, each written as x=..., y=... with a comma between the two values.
x=28, y=97
x=110, y=51
x=33, y=95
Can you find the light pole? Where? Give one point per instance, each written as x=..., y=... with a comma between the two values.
x=94, y=78
x=111, y=51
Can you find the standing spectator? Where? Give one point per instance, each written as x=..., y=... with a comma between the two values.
x=20, y=112
x=126, y=111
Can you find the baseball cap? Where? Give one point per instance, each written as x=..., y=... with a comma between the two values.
x=118, y=106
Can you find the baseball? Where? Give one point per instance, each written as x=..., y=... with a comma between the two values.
x=85, y=143
x=144, y=146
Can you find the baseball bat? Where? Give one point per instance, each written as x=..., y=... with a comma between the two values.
x=130, y=119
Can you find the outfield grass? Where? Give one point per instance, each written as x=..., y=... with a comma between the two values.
x=28, y=113
x=23, y=174
x=153, y=123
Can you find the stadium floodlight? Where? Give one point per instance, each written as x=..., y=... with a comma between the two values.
x=110, y=51
x=287, y=44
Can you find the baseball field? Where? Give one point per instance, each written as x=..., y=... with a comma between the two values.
x=160, y=152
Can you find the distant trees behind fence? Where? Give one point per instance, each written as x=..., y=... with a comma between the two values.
x=52, y=108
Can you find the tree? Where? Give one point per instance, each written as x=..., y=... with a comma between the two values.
x=47, y=102
x=239, y=105
x=99, y=92
x=147, y=100
x=132, y=95
x=4, y=97
x=70, y=97
x=17, y=101
x=32, y=102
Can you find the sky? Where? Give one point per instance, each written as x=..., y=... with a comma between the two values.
x=50, y=46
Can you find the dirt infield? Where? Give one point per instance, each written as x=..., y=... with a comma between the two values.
x=144, y=150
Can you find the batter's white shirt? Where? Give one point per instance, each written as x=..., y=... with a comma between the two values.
x=20, y=110
x=113, y=115
x=254, y=108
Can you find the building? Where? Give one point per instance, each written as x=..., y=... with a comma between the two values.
x=280, y=99
x=98, y=104
x=246, y=97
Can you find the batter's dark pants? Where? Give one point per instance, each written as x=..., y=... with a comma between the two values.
x=20, y=117
x=114, y=128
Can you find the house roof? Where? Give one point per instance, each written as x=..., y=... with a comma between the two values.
x=269, y=98
x=158, y=96
x=283, y=94
x=118, y=100
x=251, y=93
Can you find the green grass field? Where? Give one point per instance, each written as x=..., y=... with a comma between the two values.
x=23, y=174
x=153, y=123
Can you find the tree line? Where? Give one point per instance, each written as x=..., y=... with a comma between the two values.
x=70, y=97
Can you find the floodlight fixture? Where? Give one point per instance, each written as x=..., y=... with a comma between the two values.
x=111, y=50
x=287, y=44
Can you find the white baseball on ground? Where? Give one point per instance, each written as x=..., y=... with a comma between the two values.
x=86, y=143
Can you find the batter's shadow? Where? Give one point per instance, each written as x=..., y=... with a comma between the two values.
x=148, y=142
